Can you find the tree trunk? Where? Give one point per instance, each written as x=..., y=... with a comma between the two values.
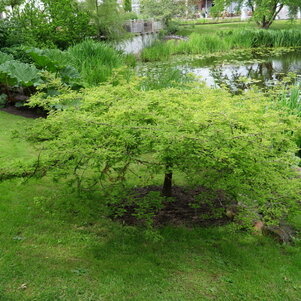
x=167, y=186
x=267, y=21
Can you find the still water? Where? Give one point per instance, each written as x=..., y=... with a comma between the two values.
x=239, y=71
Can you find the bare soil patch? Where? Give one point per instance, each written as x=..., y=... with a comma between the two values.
x=24, y=112
x=187, y=206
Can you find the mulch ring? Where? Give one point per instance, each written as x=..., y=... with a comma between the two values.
x=24, y=112
x=187, y=206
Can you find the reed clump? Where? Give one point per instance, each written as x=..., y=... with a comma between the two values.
x=95, y=61
x=222, y=42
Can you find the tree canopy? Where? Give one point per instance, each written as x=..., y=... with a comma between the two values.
x=47, y=23
x=264, y=11
x=243, y=147
x=107, y=16
x=164, y=9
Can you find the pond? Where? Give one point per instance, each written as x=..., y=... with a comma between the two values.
x=238, y=71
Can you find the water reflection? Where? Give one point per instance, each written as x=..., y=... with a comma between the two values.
x=237, y=72
x=264, y=72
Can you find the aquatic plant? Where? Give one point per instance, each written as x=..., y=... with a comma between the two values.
x=159, y=51
x=223, y=41
x=166, y=77
x=94, y=61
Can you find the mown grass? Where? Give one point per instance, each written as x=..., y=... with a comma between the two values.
x=208, y=21
x=55, y=245
x=214, y=28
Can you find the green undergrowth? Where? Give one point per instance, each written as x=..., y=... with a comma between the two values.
x=223, y=41
x=56, y=245
x=85, y=64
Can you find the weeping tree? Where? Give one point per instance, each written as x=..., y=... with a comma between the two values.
x=107, y=18
x=241, y=145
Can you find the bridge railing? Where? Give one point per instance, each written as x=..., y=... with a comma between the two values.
x=143, y=26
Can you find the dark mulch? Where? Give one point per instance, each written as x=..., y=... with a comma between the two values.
x=24, y=112
x=179, y=209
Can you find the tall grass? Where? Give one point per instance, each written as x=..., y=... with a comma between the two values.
x=95, y=61
x=264, y=38
x=166, y=77
x=223, y=41
x=159, y=51
x=201, y=44
x=292, y=100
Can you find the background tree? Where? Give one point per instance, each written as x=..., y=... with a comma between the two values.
x=264, y=11
x=107, y=18
x=51, y=23
x=127, y=5
x=164, y=9
x=11, y=3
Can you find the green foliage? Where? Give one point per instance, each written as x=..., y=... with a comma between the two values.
x=243, y=146
x=5, y=57
x=55, y=23
x=95, y=61
x=163, y=9
x=4, y=32
x=72, y=246
x=264, y=38
x=165, y=77
x=13, y=4
x=86, y=64
x=3, y=100
x=222, y=42
x=127, y=5
x=264, y=11
x=291, y=99
x=107, y=17
x=15, y=73
x=157, y=52
x=55, y=61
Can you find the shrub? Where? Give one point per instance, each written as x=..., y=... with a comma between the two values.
x=241, y=145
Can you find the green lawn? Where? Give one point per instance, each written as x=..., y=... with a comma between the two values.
x=213, y=28
x=57, y=246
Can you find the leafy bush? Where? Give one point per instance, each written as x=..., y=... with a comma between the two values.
x=240, y=145
x=56, y=61
x=5, y=57
x=47, y=23
x=3, y=100
x=15, y=73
